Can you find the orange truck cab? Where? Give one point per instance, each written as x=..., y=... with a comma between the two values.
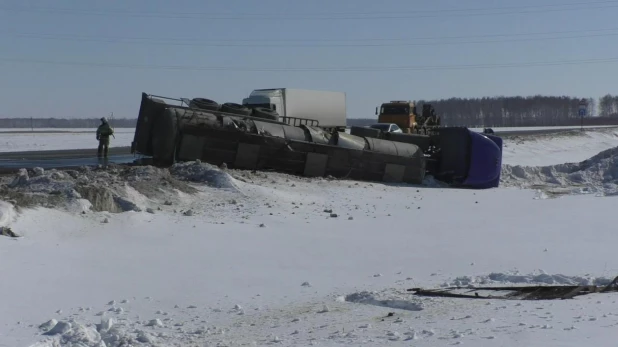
x=402, y=113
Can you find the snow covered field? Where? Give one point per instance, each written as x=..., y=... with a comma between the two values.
x=561, y=148
x=17, y=140
x=198, y=256
x=61, y=130
x=498, y=129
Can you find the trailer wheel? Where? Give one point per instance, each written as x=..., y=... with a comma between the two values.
x=266, y=113
x=233, y=108
x=204, y=104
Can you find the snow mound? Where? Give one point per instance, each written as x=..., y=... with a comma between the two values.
x=597, y=175
x=432, y=182
x=376, y=299
x=75, y=334
x=114, y=189
x=540, y=278
x=198, y=172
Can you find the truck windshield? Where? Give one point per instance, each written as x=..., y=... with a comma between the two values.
x=395, y=109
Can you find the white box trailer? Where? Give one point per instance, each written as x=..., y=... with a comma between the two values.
x=327, y=107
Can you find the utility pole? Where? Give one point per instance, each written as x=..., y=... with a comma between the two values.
x=111, y=124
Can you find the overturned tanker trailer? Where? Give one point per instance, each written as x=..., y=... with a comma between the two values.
x=185, y=132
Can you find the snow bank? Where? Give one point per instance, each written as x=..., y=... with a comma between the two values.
x=204, y=173
x=597, y=175
x=74, y=334
x=115, y=189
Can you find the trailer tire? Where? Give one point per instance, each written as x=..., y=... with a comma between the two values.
x=204, y=104
x=164, y=135
x=266, y=113
x=230, y=107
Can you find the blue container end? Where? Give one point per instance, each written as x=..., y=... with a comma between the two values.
x=485, y=161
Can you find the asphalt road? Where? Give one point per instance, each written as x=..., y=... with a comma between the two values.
x=10, y=162
x=61, y=154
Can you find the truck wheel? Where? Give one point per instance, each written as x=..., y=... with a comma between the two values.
x=204, y=104
x=233, y=108
x=266, y=113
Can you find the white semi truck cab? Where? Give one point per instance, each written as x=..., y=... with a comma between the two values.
x=326, y=107
x=267, y=98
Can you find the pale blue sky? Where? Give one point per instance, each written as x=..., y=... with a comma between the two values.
x=37, y=35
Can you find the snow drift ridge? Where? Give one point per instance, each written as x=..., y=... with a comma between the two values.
x=598, y=175
x=114, y=189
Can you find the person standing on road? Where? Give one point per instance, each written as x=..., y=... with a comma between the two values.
x=104, y=131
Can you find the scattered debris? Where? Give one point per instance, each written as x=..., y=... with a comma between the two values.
x=47, y=326
x=59, y=329
x=368, y=298
x=155, y=323
x=6, y=231
x=541, y=292
x=38, y=171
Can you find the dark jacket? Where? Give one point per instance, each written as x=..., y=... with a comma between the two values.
x=104, y=131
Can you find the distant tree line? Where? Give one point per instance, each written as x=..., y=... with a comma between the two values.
x=518, y=111
x=63, y=123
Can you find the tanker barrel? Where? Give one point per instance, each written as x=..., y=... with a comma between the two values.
x=284, y=131
x=348, y=141
x=411, y=164
x=393, y=148
x=422, y=141
x=316, y=135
